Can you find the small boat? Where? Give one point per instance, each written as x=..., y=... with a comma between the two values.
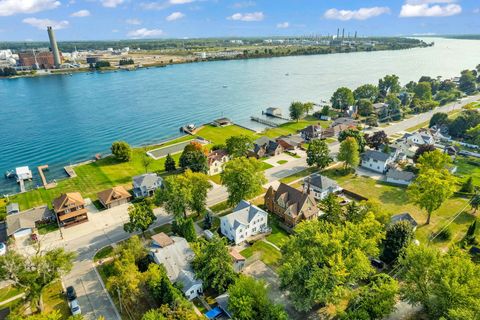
x=287, y=74
x=10, y=174
x=225, y=86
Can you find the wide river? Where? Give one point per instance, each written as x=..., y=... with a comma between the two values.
x=59, y=120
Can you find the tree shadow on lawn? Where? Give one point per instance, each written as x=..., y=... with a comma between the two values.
x=395, y=196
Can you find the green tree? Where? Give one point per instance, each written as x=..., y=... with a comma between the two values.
x=170, y=165
x=185, y=228
x=121, y=150
x=367, y=91
x=397, y=237
x=423, y=91
x=208, y=221
x=459, y=126
x=394, y=110
x=333, y=211
x=375, y=300
x=125, y=280
x=146, y=160
x=349, y=153
x=199, y=185
x=474, y=135
x=318, y=154
x=213, y=264
x=389, y=84
x=424, y=148
x=243, y=178
x=34, y=272
x=468, y=186
x=194, y=160
x=475, y=202
x=167, y=313
x=354, y=133
x=372, y=121
x=435, y=159
x=175, y=196
x=297, y=110
x=308, y=107
x=322, y=261
x=249, y=300
x=141, y=217
x=468, y=82
x=164, y=292
x=431, y=189
x=342, y=98
x=438, y=119
x=365, y=107
x=470, y=236
x=446, y=285
x=238, y=146
x=131, y=249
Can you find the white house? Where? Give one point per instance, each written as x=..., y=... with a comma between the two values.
x=216, y=161
x=245, y=221
x=175, y=255
x=376, y=160
x=320, y=186
x=420, y=138
x=399, y=177
x=145, y=185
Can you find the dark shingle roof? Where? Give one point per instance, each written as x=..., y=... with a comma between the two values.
x=376, y=155
x=403, y=217
x=321, y=182
x=400, y=175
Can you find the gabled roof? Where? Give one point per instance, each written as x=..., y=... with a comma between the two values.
x=294, y=199
x=236, y=255
x=403, y=217
x=26, y=219
x=293, y=140
x=243, y=214
x=216, y=155
x=376, y=155
x=162, y=240
x=400, y=175
x=321, y=182
x=67, y=200
x=115, y=193
x=147, y=180
x=265, y=142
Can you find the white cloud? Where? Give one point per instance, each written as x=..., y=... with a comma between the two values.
x=283, y=25
x=11, y=7
x=133, y=21
x=163, y=5
x=430, y=8
x=247, y=17
x=360, y=14
x=145, y=33
x=111, y=3
x=42, y=24
x=477, y=10
x=175, y=16
x=80, y=14
x=244, y=4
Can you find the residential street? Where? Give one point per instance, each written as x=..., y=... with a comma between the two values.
x=106, y=227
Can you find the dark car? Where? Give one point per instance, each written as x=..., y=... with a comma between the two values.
x=379, y=264
x=71, y=294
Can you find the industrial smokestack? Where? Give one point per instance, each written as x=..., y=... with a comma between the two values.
x=338, y=33
x=54, y=47
x=343, y=33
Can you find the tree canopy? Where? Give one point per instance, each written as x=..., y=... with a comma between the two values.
x=389, y=84
x=342, y=98
x=397, y=237
x=297, y=110
x=121, y=150
x=318, y=154
x=141, y=217
x=349, y=153
x=238, y=146
x=367, y=91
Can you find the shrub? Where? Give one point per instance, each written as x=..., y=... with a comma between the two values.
x=444, y=234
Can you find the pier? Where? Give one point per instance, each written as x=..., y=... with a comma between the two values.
x=69, y=170
x=264, y=121
x=46, y=185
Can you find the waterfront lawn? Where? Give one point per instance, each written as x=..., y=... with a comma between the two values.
x=218, y=135
x=293, y=127
x=394, y=200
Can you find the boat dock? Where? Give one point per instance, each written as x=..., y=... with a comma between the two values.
x=69, y=170
x=264, y=121
x=46, y=185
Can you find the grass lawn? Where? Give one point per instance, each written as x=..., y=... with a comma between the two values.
x=54, y=299
x=216, y=179
x=293, y=127
x=266, y=166
x=468, y=167
x=219, y=207
x=299, y=175
x=270, y=255
x=166, y=228
x=395, y=200
x=282, y=162
x=8, y=292
x=218, y=135
x=278, y=235
x=418, y=126
x=103, y=253
x=46, y=228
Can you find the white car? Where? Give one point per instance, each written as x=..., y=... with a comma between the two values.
x=75, y=307
x=3, y=249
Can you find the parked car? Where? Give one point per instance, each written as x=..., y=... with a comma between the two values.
x=3, y=249
x=377, y=263
x=71, y=294
x=75, y=307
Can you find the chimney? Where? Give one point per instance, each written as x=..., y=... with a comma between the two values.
x=54, y=47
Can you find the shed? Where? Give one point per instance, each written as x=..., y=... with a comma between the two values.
x=222, y=122
x=404, y=217
x=273, y=112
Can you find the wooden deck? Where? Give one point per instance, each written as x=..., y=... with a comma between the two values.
x=69, y=170
x=46, y=185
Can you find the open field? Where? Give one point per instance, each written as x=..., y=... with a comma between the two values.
x=468, y=167
x=395, y=200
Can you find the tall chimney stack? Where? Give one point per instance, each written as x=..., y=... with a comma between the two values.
x=54, y=47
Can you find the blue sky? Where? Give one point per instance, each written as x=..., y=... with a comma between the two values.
x=25, y=20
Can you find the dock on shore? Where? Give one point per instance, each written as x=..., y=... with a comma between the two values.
x=264, y=121
x=70, y=171
x=46, y=185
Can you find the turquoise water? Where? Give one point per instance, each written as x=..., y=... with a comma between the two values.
x=59, y=120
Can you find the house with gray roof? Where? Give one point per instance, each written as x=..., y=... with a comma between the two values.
x=320, y=186
x=399, y=177
x=145, y=185
x=245, y=221
x=265, y=147
x=377, y=161
x=404, y=217
x=24, y=223
x=175, y=255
